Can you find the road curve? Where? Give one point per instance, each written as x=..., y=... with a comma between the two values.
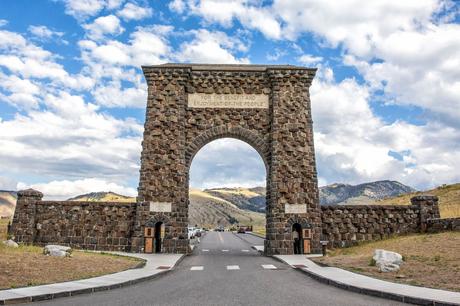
x=224, y=270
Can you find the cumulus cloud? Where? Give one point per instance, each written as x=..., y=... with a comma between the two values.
x=211, y=47
x=82, y=9
x=102, y=26
x=308, y=59
x=64, y=189
x=132, y=11
x=44, y=32
x=353, y=144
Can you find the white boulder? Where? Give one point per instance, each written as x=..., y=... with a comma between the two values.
x=387, y=261
x=10, y=243
x=57, y=250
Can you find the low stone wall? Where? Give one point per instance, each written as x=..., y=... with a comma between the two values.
x=85, y=225
x=347, y=225
x=440, y=225
x=110, y=225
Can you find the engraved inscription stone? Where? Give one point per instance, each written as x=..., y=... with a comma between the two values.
x=295, y=208
x=202, y=100
x=160, y=207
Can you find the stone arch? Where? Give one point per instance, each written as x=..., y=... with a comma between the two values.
x=157, y=218
x=190, y=105
x=225, y=131
x=295, y=219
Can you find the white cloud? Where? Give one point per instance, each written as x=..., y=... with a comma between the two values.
x=44, y=32
x=308, y=59
x=70, y=138
x=3, y=22
x=132, y=11
x=82, y=9
x=352, y=144
x=7, y=183
x=64, y=189
x=177, y=6
x=104, y=25
x=147, y=45
x=31, y=61
x=211, y=47
x=224, y=11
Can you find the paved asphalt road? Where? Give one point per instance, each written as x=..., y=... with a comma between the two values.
x=224, y=270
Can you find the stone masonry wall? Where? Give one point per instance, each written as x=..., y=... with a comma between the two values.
x=347, y=225
x=85, y=225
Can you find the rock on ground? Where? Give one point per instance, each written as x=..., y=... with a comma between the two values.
x=10, y=243
x=57, y=250
x=387, y=261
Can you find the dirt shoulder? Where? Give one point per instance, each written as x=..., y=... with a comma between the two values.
x=430, y=260
x=27, y=266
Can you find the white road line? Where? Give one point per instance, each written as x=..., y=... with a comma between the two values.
x=269, y=267
x=224, y=250
x=234, y=267
x=196, y=268
x=205, y=250
x=244, y=250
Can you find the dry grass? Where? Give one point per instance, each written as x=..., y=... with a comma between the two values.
x=429, y=260
x=3, y=228
x=449, y=200
x=260, y=230
x=27, y=266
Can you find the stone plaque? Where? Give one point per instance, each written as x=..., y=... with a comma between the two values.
x=160, y=206
x=295, y=208
x=202, y=100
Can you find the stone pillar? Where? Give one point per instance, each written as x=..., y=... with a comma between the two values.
x=428, y=209
x=293, y=178
x=23, y=227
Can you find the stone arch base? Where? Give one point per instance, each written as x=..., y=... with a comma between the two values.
x=266, y=106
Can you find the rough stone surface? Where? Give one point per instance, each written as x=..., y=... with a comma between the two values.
x=87, y=225
x=57, y=250
x=387, y=261
x=281, y=133
x=346, y=225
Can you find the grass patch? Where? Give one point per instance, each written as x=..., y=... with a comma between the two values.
x=27, y=266
x=429, y=260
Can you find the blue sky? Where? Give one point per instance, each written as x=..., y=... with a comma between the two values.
x=386, y=99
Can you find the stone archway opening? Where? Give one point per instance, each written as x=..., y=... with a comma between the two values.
x=228, y=186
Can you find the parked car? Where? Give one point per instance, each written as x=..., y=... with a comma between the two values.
x=191, y=232
x=241, y=230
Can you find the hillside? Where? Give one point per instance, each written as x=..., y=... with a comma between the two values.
x=103, y=197
x=252, y=199
x=449, y=199
x=362, y=193
x=209, y=210
x=7, y=203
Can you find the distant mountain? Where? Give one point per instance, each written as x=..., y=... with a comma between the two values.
x=362, y=193
x=103, y=196
x=7, y=203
